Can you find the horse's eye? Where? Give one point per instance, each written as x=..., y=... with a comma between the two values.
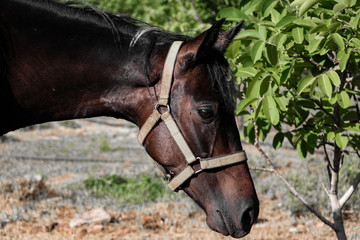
x=206, y=113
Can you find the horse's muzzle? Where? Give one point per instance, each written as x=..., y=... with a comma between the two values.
x=235, y=226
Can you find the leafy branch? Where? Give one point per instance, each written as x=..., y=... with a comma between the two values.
x=291, y=188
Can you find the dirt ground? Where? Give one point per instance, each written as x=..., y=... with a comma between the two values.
x=47, y=216
x=161, y=221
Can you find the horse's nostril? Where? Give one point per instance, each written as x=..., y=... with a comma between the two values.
x=248, y=218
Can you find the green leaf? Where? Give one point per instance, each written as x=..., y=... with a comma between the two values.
x=297, y=3
x=338, y=40
x=334, y=27
x=262, y=32
x=343, y=99
x=276, y=77
x=270, y=110
x=256, y=51
x=300, y=114
x=350, y=3
x=267, y=6
x=311, y=139
x=338, y=7
x=354, y=22
x=298, y=34
x=305, y=22
x=258, y=111
x=334, y=77
x=333, y=99
x=355, y=42
x=353, y=127
x=304, y=83
x=278, y=140
x=265, y=84
x=285, y=74
x=302, y=150
x=244, y=104
x=341, y=141
x=314, y=43
x=330, y=136
x=286, y=21
x=343, y=57
x=245, y=72
x=249, y=133
x=282, y=102
x=271, y=54
x=319, y=28
x=312, y=89
x=306, y=6
x=275, y=16
x=325, y=85
x=248, y=34
x=279, y=41
x=253, y=90
x=233, y=50
x=232, y=14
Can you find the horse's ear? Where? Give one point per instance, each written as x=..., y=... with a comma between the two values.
x=225, y=38
x=198, y=47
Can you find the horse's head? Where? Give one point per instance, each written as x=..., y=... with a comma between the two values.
x=201, y=103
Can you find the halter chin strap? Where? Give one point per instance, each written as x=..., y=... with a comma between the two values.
x=195, y=164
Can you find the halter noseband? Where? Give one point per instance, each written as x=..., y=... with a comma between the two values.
x=176, y=181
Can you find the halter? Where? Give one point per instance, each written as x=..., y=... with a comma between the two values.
x=195, y=164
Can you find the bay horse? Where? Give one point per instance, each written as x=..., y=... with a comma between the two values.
x=62, y=61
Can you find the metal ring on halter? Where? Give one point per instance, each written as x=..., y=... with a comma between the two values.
x=200, y=170
x=157, y=106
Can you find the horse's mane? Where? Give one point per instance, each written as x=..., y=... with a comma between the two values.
x=125, y=28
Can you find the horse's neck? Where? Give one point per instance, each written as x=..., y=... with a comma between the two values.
x=59, y=72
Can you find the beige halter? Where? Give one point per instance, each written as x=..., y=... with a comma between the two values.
x=206, y=163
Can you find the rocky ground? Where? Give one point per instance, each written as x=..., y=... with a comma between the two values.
x=43, y=167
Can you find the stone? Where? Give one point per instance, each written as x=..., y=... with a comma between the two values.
x=97, y=215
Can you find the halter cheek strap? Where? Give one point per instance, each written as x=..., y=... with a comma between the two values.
x=175, y=182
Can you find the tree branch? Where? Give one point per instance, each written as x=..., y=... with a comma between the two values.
x=328, y=163
x=337, y=158
x=333, y=59
x=311, y=61
x=291, y=188
x=357, y=106
x=350, y=191
x=320, y=105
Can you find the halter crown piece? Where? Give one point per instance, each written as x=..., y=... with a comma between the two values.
x=175, y=182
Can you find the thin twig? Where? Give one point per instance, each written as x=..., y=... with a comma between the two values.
x=311, y=61
x=291, y=188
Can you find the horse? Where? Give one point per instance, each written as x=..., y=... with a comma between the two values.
x=62, y=61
